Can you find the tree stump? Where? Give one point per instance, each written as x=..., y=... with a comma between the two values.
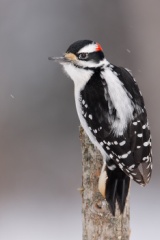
x=98, y=222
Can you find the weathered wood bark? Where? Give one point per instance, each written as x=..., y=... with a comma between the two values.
x=98, y=222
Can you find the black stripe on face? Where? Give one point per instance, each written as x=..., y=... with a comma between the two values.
x=95, y=56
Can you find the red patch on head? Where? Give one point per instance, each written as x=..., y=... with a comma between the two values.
x=98, y=47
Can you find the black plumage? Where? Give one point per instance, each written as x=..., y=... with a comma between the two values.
x=99, y=105
x=112, y=112
x=117, y=189
x=131, y=152
x=76, y=46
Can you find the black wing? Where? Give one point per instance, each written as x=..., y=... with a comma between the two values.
x=131, y=151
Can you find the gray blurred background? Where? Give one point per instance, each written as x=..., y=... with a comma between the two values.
x=40, y=155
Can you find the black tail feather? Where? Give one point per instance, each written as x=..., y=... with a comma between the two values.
x=117, y=187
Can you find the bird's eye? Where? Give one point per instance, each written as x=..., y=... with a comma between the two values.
x=83, y=56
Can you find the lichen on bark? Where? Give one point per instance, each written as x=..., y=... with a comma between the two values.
x=98, y=222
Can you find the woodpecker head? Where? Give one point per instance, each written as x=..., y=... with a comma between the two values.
x=84, y=54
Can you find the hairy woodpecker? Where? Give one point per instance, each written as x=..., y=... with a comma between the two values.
x=111, y=110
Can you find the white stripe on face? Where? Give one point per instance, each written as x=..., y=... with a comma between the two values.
x=89, y=48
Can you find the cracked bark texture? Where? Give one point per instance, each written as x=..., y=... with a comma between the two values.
x=98, y=222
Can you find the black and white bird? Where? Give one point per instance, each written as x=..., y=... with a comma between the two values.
x=111, y=110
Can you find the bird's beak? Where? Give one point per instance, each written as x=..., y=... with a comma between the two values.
x=58, y=59
x=68, y=57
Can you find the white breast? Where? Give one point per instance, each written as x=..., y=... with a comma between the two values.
x=80, y=77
